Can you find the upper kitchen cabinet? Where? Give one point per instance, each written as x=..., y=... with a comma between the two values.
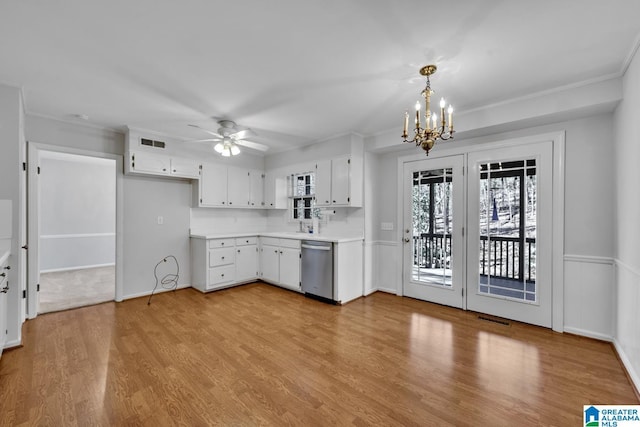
x=213, y=186
x=339, y=182
x=143, y=163
x=275, y=190
x=231, y=187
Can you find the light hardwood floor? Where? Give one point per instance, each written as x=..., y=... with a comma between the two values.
x=260, y=355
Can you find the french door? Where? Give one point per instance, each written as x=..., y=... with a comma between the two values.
x=432, y=236
x=509, y=233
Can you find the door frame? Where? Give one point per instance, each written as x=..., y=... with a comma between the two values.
x=33, y=218
x=558, y=159
x=454, y=296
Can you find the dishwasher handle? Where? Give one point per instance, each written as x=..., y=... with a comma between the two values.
x=317, y=248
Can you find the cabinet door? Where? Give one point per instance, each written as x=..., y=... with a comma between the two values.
x=323, y=183
x=290, y=268
x=149, y=163
x=185, y=168
x=340, y=169
x=246, y=262
x=239, y=187
x=213, y=185
x=270, y=261
x=275, y=191
x=256, y=189
x=3, y=316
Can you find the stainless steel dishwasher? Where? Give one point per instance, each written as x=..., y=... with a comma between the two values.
x=317, y=269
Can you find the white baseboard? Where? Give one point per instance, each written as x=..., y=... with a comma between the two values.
x=633, y=375
x=81, y=267
x=588, y=334
x=12, y=344
x=159, y=290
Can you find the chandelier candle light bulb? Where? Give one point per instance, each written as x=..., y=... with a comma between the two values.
x=426, y=137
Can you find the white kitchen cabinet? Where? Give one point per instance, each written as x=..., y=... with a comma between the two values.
x=239, y=187
x=185, y=168
x=275, y=190
x=270, y=263
x=280, y=262
x=213, y=185
x=246, y=259
x=148, y=163
x=144, y=163
x=339, y=182
x=256, y=189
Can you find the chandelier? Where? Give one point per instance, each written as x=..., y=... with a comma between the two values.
x=426, y=136
x=227, y=147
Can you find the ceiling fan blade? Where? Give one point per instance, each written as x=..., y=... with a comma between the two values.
x=250, y=144
x=242, y=134
x=202, y=140
x=207, y=130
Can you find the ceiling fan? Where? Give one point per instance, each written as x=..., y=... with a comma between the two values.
x=228, y=137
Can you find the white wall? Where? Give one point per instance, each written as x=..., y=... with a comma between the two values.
x=627, y=214
x=589, y=219
x=77, y=211
x=145, y=242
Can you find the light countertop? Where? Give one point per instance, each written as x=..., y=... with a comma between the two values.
x=280, y=235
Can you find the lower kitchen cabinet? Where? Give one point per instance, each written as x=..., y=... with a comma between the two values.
x=280, y=262
x=220, y=263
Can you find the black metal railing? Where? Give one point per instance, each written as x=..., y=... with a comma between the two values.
x=499, y=256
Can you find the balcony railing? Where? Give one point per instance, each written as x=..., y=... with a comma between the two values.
x=499, y=256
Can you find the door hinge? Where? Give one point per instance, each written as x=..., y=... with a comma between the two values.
x=348, y=161
x=462, y=231
x=24, y=166
x=462, y=291
x=38, y=170
x=38, y=287
x=300, y=256
x=24, y=294
x=348, y=199
x=200, y=200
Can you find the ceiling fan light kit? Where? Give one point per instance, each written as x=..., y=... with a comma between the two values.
x=229, y=138
x=425, y=137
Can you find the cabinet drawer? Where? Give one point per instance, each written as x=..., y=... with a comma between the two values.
x=220, y=275
x=222, y=256
x=243, y=241
x=290, y=243
x=270, y=241
x=220, y=243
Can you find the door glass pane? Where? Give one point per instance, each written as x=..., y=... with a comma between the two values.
x=508, y=196
x=432, y=221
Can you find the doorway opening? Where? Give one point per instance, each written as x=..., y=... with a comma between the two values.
x=77, y=230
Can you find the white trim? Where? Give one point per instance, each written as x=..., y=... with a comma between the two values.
x=158, y=290
x=630, y=56
x=589, y=259
x=389, y=291
x=557, y=226
x=82, y=267
x=558, y=159
x=588, y=334
x=12, y=344
x=34, y=149
x=627, y=267
x=633, y=375
x=75, y=236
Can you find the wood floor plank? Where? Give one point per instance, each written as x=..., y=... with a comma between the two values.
x=261, y=355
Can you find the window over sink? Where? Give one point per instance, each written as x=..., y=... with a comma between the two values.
x=303, y=190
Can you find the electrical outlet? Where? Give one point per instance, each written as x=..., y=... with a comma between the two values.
x=386, y=226
x=160, y=220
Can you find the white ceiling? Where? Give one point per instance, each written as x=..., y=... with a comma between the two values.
x=298, y=71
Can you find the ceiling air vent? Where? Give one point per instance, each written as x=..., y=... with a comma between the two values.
x=152, y=143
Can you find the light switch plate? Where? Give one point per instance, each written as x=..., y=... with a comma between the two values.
x=386, y=226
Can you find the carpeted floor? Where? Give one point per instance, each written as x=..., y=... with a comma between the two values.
x=63, y=290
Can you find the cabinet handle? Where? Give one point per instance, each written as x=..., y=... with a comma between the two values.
x=3, y=274
x=326, y=201
x=276, y=251
x=222, y=257
x=280, y=252
x=222, y=275
x=334, y=201
x=230, y=203
x=238, y=250
x=8, y=267
x=5, y=289
x=222, y=244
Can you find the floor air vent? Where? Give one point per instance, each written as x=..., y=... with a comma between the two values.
x=495, y=320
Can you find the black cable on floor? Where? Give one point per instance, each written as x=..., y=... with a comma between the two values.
x=168, y=279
